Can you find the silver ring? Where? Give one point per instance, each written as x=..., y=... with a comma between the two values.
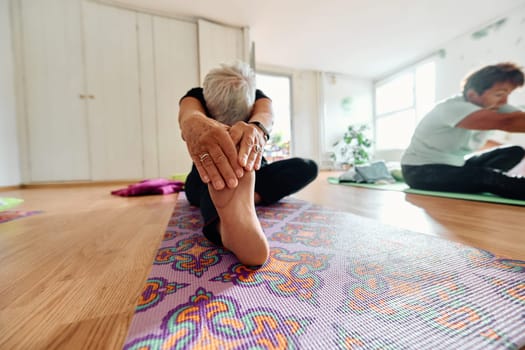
x=257, y=148
x=203, y=156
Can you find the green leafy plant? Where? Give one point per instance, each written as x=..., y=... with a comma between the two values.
x=354, y=147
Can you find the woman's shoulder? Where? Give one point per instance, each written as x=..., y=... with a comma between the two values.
x=259, y=94
x=195, y=92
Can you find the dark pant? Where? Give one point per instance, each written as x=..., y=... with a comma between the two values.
x=484, y=172
x=272, y=182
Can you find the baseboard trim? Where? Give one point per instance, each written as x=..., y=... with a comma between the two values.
x=78, y=184
x=10, y=188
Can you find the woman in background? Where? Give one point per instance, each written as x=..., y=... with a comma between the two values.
x=441, y=155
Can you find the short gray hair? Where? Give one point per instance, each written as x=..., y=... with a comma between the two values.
x=229, y=92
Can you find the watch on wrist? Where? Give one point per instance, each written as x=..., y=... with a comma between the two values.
x=263, y=128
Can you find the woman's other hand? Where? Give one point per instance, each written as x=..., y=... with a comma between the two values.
x=210, y=146
x=250, y=142
x=249, y=138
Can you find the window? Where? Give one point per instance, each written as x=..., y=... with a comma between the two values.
x=277, y=87
x=401, y=102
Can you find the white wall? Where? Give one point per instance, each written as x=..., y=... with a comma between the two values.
x=347, y=101
x=9, y=164
x=500, y=40
x=305, y=114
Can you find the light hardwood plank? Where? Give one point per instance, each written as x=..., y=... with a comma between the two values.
x=71, y=276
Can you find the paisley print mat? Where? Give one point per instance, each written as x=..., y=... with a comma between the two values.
x=333, y=281
x=9, y=215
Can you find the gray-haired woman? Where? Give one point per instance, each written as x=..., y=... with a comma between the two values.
x=226, y=125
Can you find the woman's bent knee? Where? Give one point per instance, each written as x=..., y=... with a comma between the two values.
x=306, y=168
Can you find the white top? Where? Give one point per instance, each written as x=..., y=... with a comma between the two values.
x=437, y=140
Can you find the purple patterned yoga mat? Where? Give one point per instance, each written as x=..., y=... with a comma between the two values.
x=333, y=281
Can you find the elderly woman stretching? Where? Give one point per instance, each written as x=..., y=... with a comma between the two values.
x=225, y=125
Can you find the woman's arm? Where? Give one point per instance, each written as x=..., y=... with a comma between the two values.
x=488, y=119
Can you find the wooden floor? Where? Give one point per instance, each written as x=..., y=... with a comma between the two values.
x=70, y=277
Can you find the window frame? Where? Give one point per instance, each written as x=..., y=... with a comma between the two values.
x=414, y=106
x=289, y=78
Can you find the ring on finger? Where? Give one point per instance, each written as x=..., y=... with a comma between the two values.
x=257, y=148
x=203, y=156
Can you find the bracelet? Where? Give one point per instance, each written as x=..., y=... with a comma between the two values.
x=264, y=130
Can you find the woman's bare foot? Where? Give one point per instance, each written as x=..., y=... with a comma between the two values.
x=240, y=229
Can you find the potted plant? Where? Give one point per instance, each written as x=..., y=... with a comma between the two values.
x=353, y=148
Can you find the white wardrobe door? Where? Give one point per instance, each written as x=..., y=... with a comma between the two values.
x=176, y=71
x=219, y=44
x=112, y=73
x=147, y=96
x=53, y=77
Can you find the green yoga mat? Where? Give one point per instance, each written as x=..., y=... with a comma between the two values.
x=7, y=203
x=403, y=187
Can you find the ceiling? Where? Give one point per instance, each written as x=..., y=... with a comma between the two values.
x=361, y=38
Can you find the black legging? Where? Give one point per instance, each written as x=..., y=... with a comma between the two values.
x=273, y=181
x=484, y=172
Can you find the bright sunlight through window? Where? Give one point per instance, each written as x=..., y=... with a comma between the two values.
x=400, y=102
x=277, y=88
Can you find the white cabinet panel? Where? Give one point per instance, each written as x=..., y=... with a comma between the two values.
x=101, y=87
x=112, y=74
x=53, y=78
x=148, y=97
x=176, y=71
x=219, y=44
